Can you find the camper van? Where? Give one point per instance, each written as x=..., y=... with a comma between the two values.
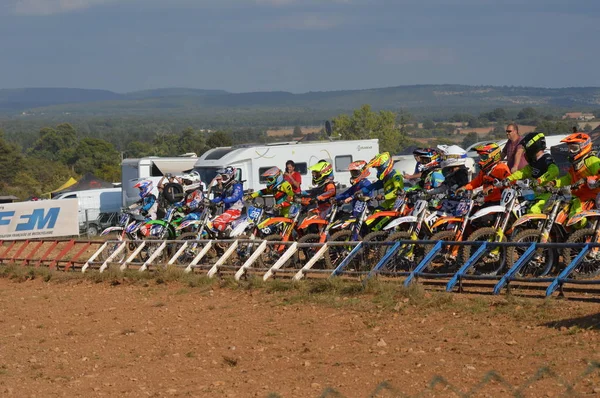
x=92, y=202
x=253, y=160
x=151, y=168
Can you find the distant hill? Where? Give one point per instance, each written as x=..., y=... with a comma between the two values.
x=27, y=98
x=183, y=101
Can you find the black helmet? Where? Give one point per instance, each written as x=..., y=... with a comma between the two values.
x=533, y=143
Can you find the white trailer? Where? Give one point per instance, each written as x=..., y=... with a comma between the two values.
x=151, y=168
x=92, y=202
x=254, y=160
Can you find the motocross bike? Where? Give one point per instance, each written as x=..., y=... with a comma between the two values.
x=513, y=205
x=589, y=266
x=129, y=226
x=550, y=226
x=453, y=229
x=418, y=225
x=164, y=229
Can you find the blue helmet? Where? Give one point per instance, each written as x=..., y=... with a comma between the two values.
x=145, y=188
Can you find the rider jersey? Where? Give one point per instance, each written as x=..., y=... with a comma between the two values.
x=499, y=171
x=193, y=201
x=391, y=184
x=148, y=204
x=543, y=170
x=430, y=179
x=357, y=205
x=322, y=194
x=283, y=195
x=588, y=167
x=232, y=197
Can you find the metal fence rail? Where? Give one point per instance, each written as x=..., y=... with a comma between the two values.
x=269, y=259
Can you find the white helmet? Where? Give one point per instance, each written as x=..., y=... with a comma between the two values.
x=191, y=181
x=452, y=156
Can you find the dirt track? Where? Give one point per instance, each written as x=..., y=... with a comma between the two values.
x=79, y=338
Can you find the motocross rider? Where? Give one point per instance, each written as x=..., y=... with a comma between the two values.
x=323, y=188
x=193, y=200
x=147, y=204
x=231, y=197
x=430, y=175
x=358, y=179
x=387, y=178
x=540, y=166
x=492, y=169
x=455, y=173
x=282, y=191
x=584, y=165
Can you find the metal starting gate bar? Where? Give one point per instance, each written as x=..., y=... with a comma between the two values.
x=68, y=251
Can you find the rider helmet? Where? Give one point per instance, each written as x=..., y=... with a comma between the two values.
x=452, y=156
x=579, y=144
x=489, y=155
x=273, y=176
x=321, y=173
x=533, y=143
x=145, y=188
x=191, y=181
x=227, y=175
x=429, y=158
x=383, y=163
x=358, y=172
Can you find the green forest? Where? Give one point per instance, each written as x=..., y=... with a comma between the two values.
x=41, y=154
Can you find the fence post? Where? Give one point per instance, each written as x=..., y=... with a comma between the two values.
x=347, y=259
x=113, y=255
x=506, y=278
x=176, y=255
x=436, y=248
x=383, y=261
x=133, y=255
x=468, y=264
x=223, y=258
x=87, y=263
x=197, y=259
x=261, y=248
x=559, y=280
x=153, y=256
x=279, y=263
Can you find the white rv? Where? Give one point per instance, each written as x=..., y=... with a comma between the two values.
x=254, y=160
x=151, y=168
x=92, y=202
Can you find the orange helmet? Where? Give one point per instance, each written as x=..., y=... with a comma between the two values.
x=383, y=163
x=489, y=155
x=358, y=171
x=580, y=145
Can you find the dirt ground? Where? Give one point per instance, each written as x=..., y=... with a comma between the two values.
x=79, y=337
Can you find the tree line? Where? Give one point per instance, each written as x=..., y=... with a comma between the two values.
x=38, y=158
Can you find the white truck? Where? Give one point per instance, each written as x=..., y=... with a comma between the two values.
x=151, y=168
x=253, y=160
x=92, y=202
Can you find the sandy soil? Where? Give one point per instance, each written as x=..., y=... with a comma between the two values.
x=80, y=338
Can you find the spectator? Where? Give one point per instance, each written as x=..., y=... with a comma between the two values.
x=292, y=176
x=512, y=151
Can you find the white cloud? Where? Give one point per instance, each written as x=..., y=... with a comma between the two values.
x=399, y=56
x=49, y=7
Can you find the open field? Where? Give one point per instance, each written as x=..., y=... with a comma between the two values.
x=168, y=334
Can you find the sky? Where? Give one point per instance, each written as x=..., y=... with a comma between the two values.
x=297, y=45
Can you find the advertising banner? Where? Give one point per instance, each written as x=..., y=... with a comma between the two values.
x=39, y=219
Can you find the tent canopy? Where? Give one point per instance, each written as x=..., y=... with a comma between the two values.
x=88, y=181
x=66, y=185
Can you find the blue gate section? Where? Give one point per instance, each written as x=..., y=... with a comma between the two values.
x=437, y=260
